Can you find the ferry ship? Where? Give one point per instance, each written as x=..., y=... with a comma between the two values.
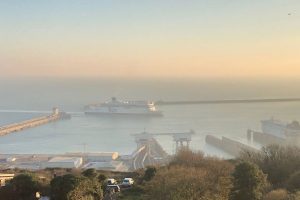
x=116, y=107
x=280, y=129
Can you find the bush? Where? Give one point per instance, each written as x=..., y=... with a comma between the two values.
x=101, y=178
x=90, y=173
x=21, y=187
x=293, y=183
x=177, y=183
x=70, y=187
x=191, y=176
x=249, y=182
x=279, y=162
x=186, y=157
x=24, y=186
x=149, y=173
x=279, y=194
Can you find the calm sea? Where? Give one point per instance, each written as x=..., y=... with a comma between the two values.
x=24, y=99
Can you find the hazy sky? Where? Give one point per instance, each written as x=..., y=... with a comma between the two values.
x=150, y=38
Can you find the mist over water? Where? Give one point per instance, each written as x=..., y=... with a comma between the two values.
x=73, y=94
x=115, y=134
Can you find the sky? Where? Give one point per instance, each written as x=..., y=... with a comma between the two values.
x=150, y=38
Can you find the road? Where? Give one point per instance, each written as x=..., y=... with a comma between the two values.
x=143, y=158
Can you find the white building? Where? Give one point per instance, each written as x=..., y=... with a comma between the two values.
x=107, y=166
x=5, y=177
x=97, y=156
x=63, y=162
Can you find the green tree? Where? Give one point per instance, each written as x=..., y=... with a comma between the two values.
x=70, y=187
x=24, y=186
x=149, y=173
x=90, y=173
x=279, y=162
x=101, y=178
x=191, y=176
x=249, y=182
x=293, y=183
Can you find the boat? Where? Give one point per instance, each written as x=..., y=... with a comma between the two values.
x=117, y=107
x=280, y=129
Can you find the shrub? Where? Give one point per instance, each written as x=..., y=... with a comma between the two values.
x=70, y=187
x=279, y=194
x=293, y=183
x=249, y=182
x=191, y=176
x=90, y=173
x=149, y=173
x=24, y=186
x=279, y=162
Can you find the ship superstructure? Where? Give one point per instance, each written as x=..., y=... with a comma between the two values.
x=117, y=107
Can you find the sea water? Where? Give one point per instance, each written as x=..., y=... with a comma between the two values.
x=28, y=98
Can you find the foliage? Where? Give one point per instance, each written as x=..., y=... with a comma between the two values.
x=191, y=176
x=188, y=158
x=293, y=183
x=279, y=194
x=101, y=178
x=279, y=162
x=135, y=193
x=70, y=187
x=21, y=187
x=295, y=196
x=149, y=173
x=6, y=193
x=24, y=186
x=90, y=173
x=249, y=182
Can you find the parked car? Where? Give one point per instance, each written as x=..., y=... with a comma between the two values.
x=115, y=188
x=111, y=181
x=127, y=181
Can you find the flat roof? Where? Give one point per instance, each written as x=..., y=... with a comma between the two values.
x=111, y=164
x=64, y=159
x=93, y=153
x=6, y=175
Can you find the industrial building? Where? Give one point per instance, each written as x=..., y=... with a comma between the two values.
x=4, y=178
x=96, y=156
x=107, y=166
x=63, y=162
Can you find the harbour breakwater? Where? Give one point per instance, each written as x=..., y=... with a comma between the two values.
x=229, y=146
x=54, y=116
x=264, y=139
x=228, y=101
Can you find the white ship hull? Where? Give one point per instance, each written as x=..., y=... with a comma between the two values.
x=122, y=114
x=273, y=128
x=280, y=129
x=120, y=108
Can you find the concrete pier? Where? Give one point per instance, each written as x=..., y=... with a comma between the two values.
x=229, y=101
x=150, y=152
x=229, y=146
x=265, y=139
x=54, y=116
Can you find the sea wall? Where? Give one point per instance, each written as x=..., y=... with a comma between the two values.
x=7, y=129
x=228, y=145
